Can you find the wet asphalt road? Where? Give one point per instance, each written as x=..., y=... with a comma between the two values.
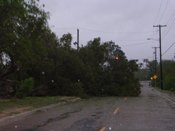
x=151, y=111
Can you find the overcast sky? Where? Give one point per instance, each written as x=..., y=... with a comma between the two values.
x=126, y=22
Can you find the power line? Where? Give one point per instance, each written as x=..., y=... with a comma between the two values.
x=170, y=22
x=161, y=17
x=135, y=44
x=168, y=48
x=171, y=17
x=132, y=44
x=104, y=31
x=158, y=13
x=170, y=27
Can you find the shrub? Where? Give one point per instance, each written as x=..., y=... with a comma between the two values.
x=25, y=88
x=78, y=89
x=170, y=82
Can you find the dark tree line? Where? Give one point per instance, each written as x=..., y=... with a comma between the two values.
x=169, y=75
x=34, y=62
x=153, y=68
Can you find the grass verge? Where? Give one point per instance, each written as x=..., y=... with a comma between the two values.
x=14, y=106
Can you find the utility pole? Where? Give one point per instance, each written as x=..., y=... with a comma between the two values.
x=78, y=40
x=155, y=63
x=160, y=47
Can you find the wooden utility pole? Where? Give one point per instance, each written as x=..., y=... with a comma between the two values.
x=160, y=47
x=155, y=57
x=78, y=39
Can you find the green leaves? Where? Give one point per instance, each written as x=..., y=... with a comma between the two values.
x=20, y=33
x=25, y=88
x=66, y=40
x=169, y=75
x=34, y=51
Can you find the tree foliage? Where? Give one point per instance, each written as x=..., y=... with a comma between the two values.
x=168, y=73
x=32, y=55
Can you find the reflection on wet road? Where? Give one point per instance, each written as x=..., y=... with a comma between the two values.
x=151, y=111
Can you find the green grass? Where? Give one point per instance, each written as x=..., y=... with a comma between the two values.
x=164, y=91
x=33, y=102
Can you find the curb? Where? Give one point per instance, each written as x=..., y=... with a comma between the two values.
x=9, y=119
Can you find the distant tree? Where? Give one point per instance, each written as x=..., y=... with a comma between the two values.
x=66, y=40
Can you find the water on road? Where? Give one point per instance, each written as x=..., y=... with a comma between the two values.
x=151, y=111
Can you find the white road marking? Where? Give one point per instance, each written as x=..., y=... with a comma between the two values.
x=102, y=129
x=116, y=111
x=110, y=128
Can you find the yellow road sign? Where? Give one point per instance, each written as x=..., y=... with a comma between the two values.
x=155, y=77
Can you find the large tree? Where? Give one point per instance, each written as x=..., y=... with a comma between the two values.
x=22, y=24
x=31, y=54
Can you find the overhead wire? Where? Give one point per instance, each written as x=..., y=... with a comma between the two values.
x=157, y=17
x=163, y=13
x=158, y=13
x=168, y=48
x=135, y=44
x=170, y=26
x=170, y=22
x=148, y=32
x=171, y=17
x=104, y=31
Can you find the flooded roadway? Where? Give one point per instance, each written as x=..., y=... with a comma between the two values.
x=151, y=111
